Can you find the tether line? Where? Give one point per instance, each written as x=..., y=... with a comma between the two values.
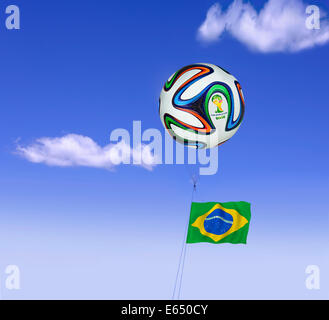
x=183, y=251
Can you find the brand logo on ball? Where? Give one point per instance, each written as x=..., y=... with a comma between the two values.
x=219, y=113
x=217, y=100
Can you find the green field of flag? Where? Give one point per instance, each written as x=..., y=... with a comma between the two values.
x=219, y=222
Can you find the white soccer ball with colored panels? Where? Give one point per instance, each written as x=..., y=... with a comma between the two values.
x=201, y=105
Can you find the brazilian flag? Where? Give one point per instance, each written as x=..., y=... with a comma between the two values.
x=219, y=222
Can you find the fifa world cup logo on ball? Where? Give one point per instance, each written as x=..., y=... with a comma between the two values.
x=217, y=100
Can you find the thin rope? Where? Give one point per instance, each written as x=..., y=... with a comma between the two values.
x=179, y=264
x=183, y=250
x=185, y=244
x=181, y=275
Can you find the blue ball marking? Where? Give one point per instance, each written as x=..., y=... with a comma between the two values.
x=218, y=222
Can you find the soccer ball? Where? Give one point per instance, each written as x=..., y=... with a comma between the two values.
x=201, y=105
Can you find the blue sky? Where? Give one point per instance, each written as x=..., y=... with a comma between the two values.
x=79, y=232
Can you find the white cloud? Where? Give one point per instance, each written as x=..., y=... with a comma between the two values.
x=77, y=150
x=278, y=27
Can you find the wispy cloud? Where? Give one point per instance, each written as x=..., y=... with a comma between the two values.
x=278, y=27
x=77, y=150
